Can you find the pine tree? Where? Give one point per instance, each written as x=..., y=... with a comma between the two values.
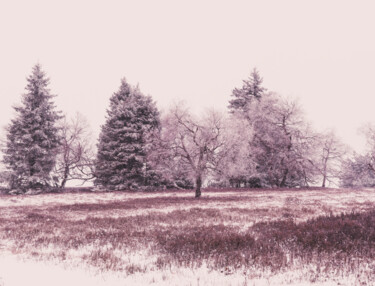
x=126, y=140
x=252, y=88
x=32, y=137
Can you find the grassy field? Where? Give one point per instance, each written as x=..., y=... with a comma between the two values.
x=227, y=237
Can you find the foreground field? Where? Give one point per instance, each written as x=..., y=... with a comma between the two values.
x=227, y=237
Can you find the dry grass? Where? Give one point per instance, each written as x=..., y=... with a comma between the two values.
x=265, y=231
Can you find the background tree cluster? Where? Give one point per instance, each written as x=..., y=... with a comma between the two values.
x=283, y=151
x=263, y=140
x=359, y=169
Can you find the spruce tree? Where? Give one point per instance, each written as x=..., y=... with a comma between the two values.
x=251, y=88
x=32, y=136
x=126, y=140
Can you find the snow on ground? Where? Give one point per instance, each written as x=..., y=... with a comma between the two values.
x=15, y=271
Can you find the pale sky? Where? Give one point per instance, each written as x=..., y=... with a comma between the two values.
x=322, y=52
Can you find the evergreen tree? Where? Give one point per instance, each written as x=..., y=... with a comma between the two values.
x=126, y=140
x=32, y=137
x=244, y=106
x=252, y=88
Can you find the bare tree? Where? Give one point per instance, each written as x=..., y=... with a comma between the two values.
x=196, y=144
x=332, y=153
x=75, y=159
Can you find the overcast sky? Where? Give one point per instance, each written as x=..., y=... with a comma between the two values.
x=322, y=52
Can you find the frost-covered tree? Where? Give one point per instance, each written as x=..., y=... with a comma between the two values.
x=126, y=140
x=75, y=159
x=196, y=145
x=251, y=89
x=359, y=170
x=172, y=168
x=331, y=155
x=283, y=144
x=243, y=107
x=237, y=167
x=33, y=136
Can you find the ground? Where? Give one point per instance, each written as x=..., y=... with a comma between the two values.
x=227, y=237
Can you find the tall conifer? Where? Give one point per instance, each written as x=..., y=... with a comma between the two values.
x=32, y=136
x=126, y=140
x=242, y=97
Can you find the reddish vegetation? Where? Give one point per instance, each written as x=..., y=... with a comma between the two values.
x=148, y=203
x=189, y=234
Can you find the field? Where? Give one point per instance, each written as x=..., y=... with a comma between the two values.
x=227, y=237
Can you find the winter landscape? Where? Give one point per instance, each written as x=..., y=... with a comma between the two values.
x=200, y=143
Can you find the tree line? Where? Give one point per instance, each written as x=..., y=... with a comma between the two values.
x=264, y=140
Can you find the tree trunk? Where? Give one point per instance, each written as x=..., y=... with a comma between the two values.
x=283, y=182
x=65, y=177
x=324, y=181
x=325, y=172
x=198, y=185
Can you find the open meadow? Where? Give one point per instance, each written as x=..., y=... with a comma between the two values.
x=227, y=237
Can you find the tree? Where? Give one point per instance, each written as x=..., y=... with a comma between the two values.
x=368, y=131
x=196, y=144
x=174, y=171
x=359, y=171
x=75, y=159
x=240, y=168
x=283, y=143
x=33, y=136
x=126, y=141
x=332, y=152
x=251, y=89
x=237, y=167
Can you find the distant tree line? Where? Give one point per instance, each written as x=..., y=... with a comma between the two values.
x=263, y=140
